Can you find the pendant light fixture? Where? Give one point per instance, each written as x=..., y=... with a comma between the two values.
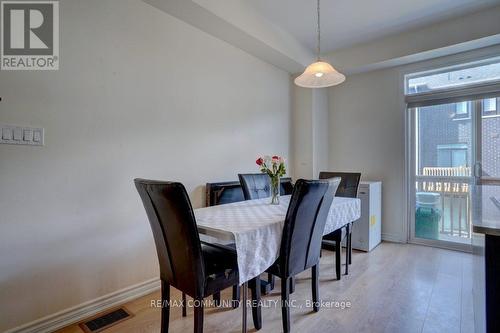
x=319, y=74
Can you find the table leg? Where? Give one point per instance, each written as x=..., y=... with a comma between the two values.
x=244, y=288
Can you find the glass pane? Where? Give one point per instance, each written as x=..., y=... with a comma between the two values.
x=462, y=108
x=459, y=158
x=489, y=104
x=451, y=77
x=490, y=145
x=444, y=158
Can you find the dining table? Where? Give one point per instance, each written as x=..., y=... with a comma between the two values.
x=255, y=227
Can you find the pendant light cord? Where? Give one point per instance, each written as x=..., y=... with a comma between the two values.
x=318, y=49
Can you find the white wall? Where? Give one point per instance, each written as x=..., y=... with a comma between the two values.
x=138, y=94
x=320, y=131
x=367, y=136
x=309, y=132
x=302, y=130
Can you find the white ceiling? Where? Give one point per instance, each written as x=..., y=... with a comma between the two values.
x=348, y=22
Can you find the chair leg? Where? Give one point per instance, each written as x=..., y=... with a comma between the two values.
x=347, y=250
x=236, y=296
x=338, y=258
x=184, y=305
x=315, y=287
x=256, y=306
x=216, y=298
x=285, y=310
x=292, y=284
x=198, y=316
x=165, y=309
x=270, y=279
x=350, y=244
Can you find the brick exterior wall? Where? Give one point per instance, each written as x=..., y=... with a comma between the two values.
x=440, y=126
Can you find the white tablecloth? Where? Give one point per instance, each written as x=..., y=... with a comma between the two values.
x=256, y=228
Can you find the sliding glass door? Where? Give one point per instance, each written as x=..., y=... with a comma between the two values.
x=453, y=144
x=444, y=157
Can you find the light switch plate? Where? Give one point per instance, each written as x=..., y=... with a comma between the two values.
x=7, y=134
x=38, y=135
x=21, y=135
x=18, y=133
x=28, y=134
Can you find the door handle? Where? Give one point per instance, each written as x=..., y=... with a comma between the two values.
x=477, y=170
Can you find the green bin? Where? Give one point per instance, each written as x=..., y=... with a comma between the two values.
x=427, y=215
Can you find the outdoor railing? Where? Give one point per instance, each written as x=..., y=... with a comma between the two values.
x=454, y=171
x=453, y=185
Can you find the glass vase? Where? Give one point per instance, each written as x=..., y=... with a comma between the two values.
x=275, y=190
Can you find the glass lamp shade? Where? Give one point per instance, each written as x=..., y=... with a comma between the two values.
x=319, y=75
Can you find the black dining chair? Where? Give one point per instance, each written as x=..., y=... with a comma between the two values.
x=301, y=239
x=197, y=269
x=222, y=193
x=348, y=188
x=255, y=185
x=258, y=185
x=228, y=192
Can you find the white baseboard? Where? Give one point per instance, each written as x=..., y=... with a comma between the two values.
x=77, y=313
x=394, y=238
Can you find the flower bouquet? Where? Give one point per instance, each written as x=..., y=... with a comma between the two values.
x=274, y=167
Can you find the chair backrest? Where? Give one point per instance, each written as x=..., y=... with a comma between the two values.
x=226, y=192
x=255, y=185
x=286, y=186
x=305, y=223
x=348, y=185
x=223, y=192
x=175, y=233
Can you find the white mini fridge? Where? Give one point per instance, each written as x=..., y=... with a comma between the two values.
x=367, y=231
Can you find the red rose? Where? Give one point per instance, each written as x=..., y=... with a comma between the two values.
x=259, y=161
x=276, y=157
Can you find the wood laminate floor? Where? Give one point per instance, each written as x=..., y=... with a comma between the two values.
x=395, y=288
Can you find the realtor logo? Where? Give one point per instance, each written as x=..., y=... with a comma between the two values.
x=30, y=35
